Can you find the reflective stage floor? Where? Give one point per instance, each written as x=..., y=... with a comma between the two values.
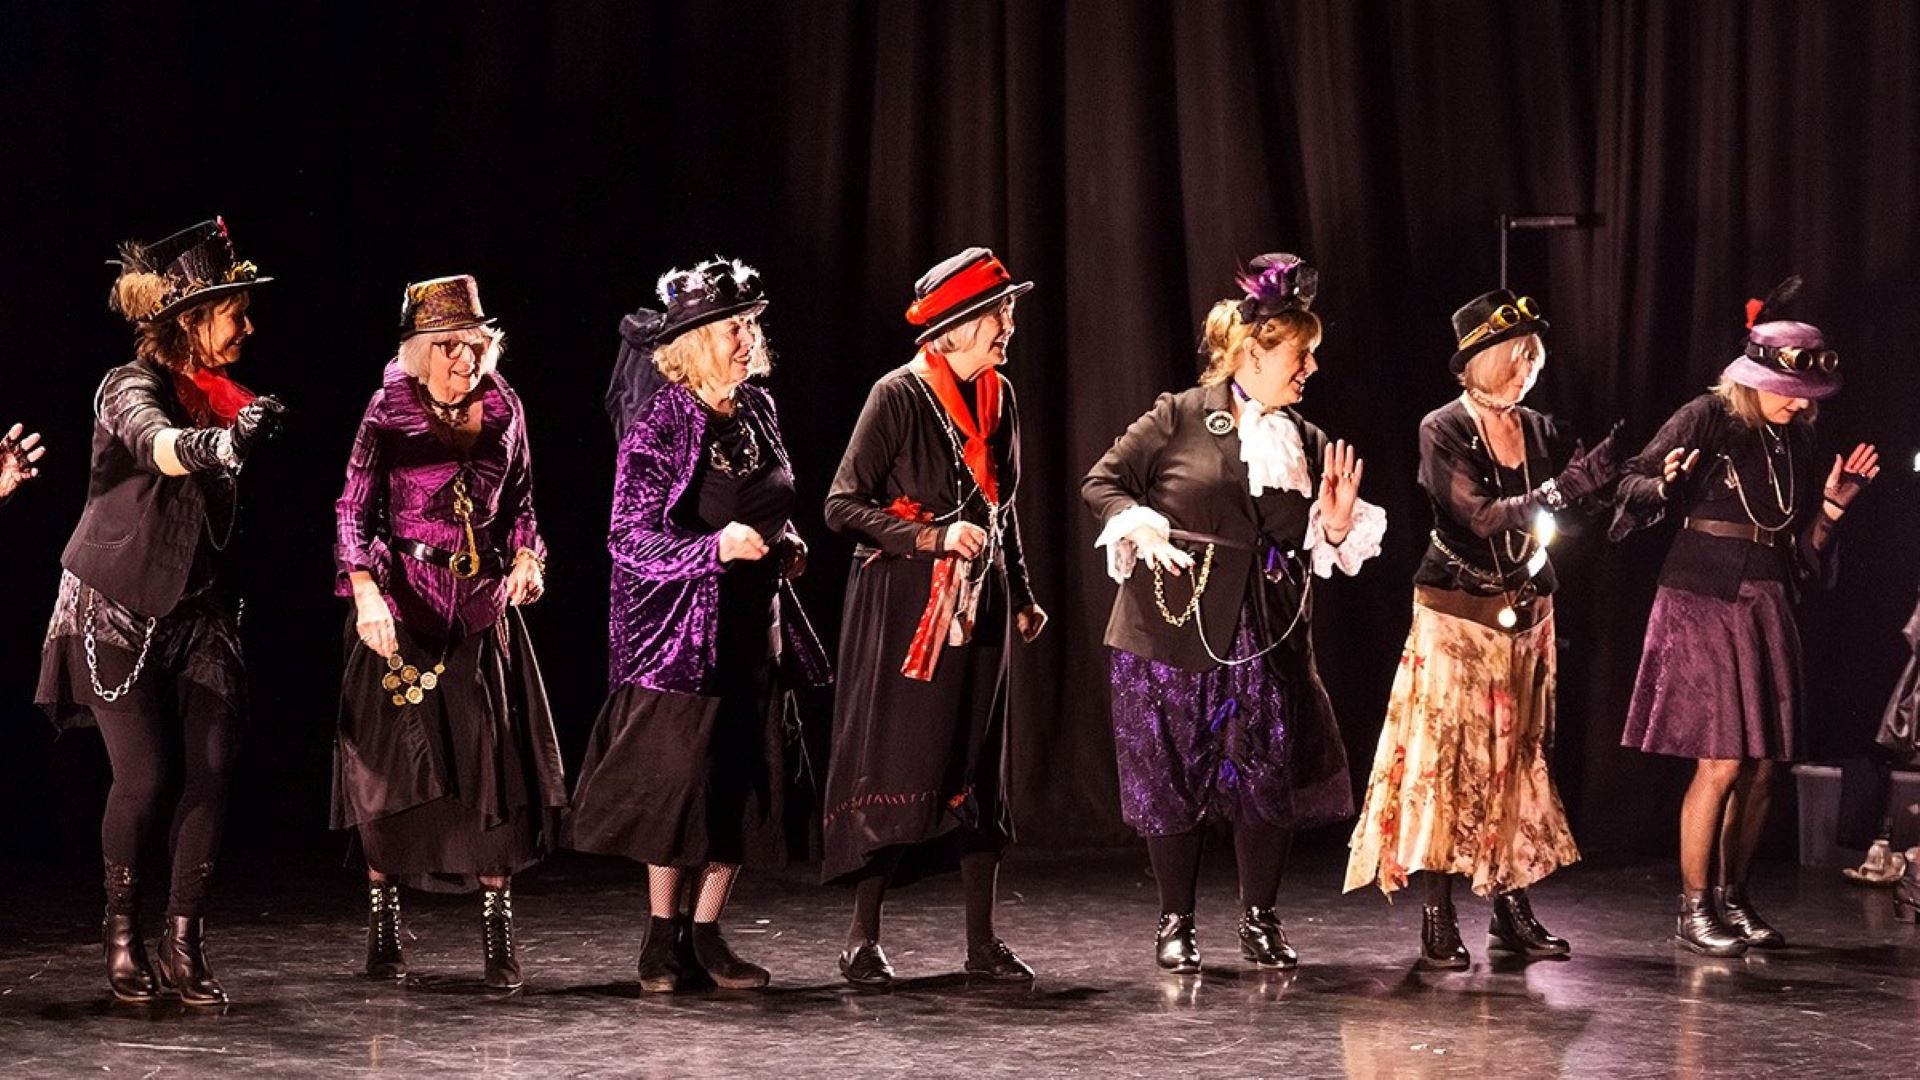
x=1844, y=1000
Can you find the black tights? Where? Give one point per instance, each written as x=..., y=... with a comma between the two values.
x=1259, y=851
x=979, y=878
x=176, y=763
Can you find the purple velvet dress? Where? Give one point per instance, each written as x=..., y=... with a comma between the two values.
x=1720, y=674
x=467, y=780
x=687, y=763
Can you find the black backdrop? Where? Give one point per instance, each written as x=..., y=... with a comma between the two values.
x=1123, y=153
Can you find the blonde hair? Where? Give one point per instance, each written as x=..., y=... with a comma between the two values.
x=1225, y=334
x=692, y=357
x=415, y=350
x=1744, y=403
x=167, y=342
x=1493, y=367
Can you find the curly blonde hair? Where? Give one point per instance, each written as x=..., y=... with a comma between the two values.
x=693, y=357
x=1225, y=333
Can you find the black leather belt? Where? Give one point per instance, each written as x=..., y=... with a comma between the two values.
x=490, y=561
x=1188, y=536
x=1733, y=530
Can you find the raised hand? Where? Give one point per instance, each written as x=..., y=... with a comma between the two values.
x=18, y=453
x=1340, y=473
x=258, y=421
x=1678, y=463
x=1848, y=478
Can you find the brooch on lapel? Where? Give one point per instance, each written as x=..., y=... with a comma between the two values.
x=1219, y=422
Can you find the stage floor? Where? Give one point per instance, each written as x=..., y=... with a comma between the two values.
x=1845, y=1000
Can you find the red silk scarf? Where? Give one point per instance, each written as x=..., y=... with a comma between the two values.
x=976, y=453
x=211, y=395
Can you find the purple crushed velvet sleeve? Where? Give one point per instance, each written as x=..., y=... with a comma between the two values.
x=641, y=539
x=361, y=508
x=516, y=502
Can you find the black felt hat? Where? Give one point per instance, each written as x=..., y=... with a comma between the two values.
x=1491, y=318
x=958, y=288
x=713, y=290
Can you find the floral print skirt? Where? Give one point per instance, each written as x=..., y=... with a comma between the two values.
x=1460, y=782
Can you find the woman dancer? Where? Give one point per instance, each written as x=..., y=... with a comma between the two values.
x=1461, y=785
x=927, y=490
x=145, y=635
x=1720, y=677
x=446, y=764
x=685, y=771
x=1217, y=705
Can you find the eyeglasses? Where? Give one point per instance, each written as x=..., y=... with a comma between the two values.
x=453, y=347
x=1804, y=361
x=1504, y=318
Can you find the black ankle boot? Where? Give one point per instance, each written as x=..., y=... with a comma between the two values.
x=660, y=967
x=1264, y=941
x=1440, y=946
x=384, y=959
x=126, y=954
x=183, y=962
x=729, y=972
x=993, y=960
x=496, y=934
x=1176, y=946
x=1516, y=930
x=1699, y=928
x=1730, y=901
x=866, y=965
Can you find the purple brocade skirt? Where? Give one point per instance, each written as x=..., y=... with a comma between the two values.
x=1254, y=740
x=1719, y=678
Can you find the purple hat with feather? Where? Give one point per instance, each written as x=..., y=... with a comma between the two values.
x=1782, y=356
x=1276, y=282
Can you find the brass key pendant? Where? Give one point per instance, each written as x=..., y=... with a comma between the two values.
x=465, y=564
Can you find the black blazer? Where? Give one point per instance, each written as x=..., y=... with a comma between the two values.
x=1169, y=460
x=140, y=530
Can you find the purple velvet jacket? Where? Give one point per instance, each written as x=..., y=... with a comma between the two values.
x=665, y=610
x=400, y=485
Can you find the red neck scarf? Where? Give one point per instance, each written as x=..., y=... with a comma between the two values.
x=211, y=395
x=946, y=389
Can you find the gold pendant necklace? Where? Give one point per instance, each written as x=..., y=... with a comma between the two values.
x=407, y=683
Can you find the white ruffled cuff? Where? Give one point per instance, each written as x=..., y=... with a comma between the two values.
x=1120, y=551
x=1362, y=541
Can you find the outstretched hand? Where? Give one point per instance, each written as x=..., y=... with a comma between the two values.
x=1849, y=477
x=18, y=454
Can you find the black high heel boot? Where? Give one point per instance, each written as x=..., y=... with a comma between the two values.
x=660, y=956
x=1906, y=891
x=728, y=971
x=496, y=933
x=127, y=970
x=1698, y=928
x=384, y=959
x=1516, y=930
x=1440, y=946
x=1176, y=945
x=1738, y=915
x=183, y=962
x=1264, y=941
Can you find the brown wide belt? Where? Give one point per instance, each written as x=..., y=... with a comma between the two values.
x=1733, y=530
x=1484, y=610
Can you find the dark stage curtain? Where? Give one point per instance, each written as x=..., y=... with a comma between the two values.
x=1123, y=154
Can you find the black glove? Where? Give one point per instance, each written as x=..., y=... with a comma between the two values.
x=259, y=420
x=1589, y=470
x=204, y=449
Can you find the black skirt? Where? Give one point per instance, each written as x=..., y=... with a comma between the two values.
x=464, y=783
x=915, y=762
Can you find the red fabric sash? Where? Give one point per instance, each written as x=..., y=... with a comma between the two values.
x=211, y=395
x=930, y=634
x=946, y=389
x=972, y=282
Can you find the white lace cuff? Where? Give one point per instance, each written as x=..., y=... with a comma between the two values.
x=1362, y=541
x=1120, y=552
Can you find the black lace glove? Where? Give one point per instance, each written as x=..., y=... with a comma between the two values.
x=1588, y=472
x=260, y=420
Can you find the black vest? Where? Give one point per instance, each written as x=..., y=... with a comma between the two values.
x=138, y=535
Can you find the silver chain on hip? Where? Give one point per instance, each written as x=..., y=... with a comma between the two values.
x=93, y=661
